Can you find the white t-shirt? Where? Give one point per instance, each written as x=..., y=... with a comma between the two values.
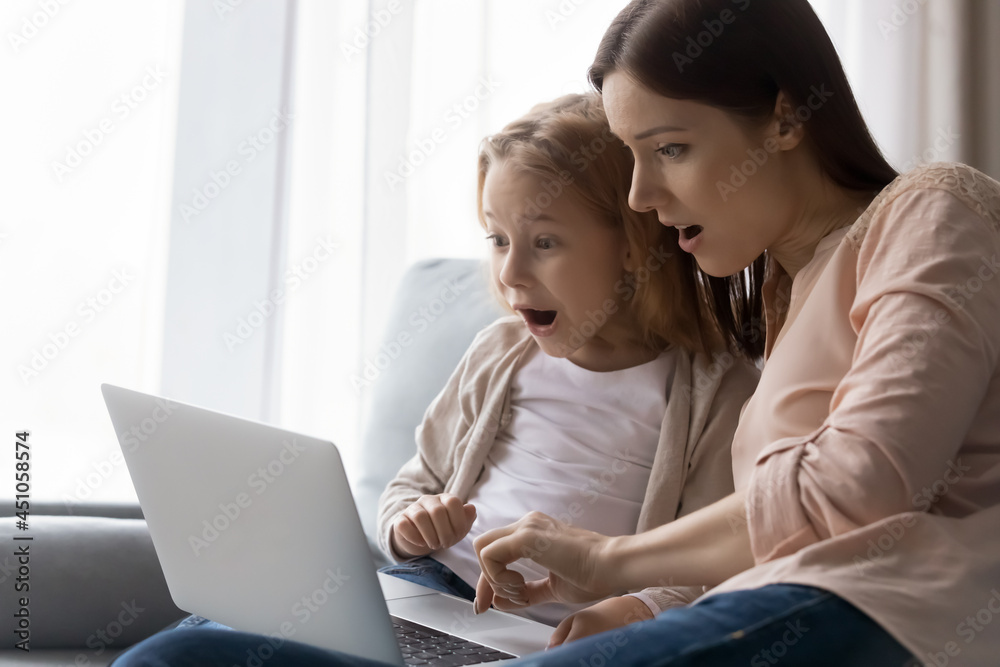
x=579, y=447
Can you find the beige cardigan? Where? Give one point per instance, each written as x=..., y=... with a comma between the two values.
x=692, y=467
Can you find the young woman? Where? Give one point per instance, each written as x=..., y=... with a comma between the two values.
x=863, y=529
x=608, y=345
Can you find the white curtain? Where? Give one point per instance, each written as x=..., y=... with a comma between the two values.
x=925, y=74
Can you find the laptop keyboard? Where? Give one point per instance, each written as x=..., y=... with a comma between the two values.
x=425, y=646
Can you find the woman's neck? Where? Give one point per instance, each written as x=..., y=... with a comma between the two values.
x=824, y=208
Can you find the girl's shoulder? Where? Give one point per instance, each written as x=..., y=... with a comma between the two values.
x=973, y=188
x=718, y=372
x=498, y=339
x=509, y=328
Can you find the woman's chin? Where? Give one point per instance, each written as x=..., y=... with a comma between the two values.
x=719, y=268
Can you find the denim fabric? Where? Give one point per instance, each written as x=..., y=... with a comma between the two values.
x=790, y=625
x=428, y=572
x=201, y=623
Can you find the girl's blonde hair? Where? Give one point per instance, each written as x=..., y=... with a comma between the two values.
x=568, y=145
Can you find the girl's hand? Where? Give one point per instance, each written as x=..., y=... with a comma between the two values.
x=605, y=615
x=431, y=524
x=575, y=558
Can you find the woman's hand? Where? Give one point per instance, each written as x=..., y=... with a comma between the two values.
x=573, y=556
x=605, y=615
x=430, y=524
x=703, y=548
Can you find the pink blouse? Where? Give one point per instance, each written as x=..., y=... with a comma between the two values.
x=870, y=452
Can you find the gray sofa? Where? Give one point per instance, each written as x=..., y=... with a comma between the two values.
x=96, y=585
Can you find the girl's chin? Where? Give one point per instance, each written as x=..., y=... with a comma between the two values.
x=555, y=349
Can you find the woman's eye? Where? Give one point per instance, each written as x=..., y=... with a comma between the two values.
x=672, y=151
x=546, y=244
x=496, y=241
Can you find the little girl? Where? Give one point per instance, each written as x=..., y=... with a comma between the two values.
x=599, y=401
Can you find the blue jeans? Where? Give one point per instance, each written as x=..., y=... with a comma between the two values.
x=786, y=624
x=424, y=571
x=428, y=572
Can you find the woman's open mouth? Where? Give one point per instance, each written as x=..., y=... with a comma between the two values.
x=689, y=237
x=688, y=233
x=539, y=322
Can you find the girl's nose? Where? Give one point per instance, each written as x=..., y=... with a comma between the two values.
x=514, y=272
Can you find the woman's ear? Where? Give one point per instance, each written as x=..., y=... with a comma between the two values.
x=785, y=128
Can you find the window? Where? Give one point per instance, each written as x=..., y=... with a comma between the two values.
x=89, y=141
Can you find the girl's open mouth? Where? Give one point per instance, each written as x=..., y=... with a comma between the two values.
x=539, y=322
x=542, y=318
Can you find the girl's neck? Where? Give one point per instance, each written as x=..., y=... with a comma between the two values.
x=608, y=352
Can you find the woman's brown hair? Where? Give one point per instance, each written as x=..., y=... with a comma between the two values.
x=737, y=55
x=568, y=145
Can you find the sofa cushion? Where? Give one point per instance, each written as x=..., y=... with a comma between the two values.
x=58, y=657
x=95, y=582
x=441, y=304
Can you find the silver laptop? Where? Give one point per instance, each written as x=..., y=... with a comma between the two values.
x=255, y=527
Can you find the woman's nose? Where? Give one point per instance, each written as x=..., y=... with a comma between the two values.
x=646, y=193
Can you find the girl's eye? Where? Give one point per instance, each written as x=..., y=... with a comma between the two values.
x=672, y=151
x=496, y=240
x=546, y=244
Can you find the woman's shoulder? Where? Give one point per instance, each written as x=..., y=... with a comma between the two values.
x=973, y=188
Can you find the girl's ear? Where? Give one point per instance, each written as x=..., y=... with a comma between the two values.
x=629, y=261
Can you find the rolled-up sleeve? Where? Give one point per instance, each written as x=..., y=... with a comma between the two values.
x=926, y=314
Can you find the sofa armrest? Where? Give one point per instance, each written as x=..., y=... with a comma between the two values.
x=107, y=510
x=94, y=582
